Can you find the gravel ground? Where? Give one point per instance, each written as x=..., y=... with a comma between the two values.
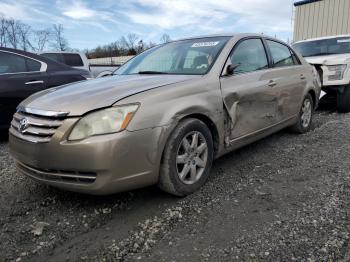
x=284, y=198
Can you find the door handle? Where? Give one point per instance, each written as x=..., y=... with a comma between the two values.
x=272, y=83
x=302, y=77
x=35, y=82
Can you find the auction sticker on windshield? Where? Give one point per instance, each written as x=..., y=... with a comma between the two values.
x=205, y=44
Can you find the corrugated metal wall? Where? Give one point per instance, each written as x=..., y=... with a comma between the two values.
x=323, y=18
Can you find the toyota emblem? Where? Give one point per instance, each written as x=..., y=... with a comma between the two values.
x=23, y=124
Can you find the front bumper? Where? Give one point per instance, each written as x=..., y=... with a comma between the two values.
x=100, y=165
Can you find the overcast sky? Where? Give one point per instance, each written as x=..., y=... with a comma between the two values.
x=92, y=23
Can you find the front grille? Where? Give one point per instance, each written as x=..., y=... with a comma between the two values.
x=58, y=175
x=37, y=129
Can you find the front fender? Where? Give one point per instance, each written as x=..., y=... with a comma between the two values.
x=166, y=105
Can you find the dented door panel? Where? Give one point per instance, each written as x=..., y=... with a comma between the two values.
x=289, y=88
x=251, y=102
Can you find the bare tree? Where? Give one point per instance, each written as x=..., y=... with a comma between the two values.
x=3, y=31
x=165, y=38
x=12, y=33
x=59, y=41
x=129, y=43
x=41, y=38
x=24, y=32
x=132, y=38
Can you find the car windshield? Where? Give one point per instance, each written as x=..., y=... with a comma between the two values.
x=185, y=57
x=339, y=45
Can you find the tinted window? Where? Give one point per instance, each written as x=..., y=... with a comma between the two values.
x=32, y=65
x=250, y=55
x=73, y=60
x=281, y=54
x=11, y=63
x=54, y=57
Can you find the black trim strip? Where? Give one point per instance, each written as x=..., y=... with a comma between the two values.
x=304, y=2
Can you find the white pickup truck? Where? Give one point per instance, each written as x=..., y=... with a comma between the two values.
x=331, y=58
x=80, y=61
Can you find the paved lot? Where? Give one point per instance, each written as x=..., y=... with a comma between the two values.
x=284, y=198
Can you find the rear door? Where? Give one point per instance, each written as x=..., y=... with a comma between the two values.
x=288, y=74
x=20, y=77
x=249, y=94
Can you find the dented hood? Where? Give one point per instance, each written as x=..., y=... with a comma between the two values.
x=79, y=98
x=328, y=59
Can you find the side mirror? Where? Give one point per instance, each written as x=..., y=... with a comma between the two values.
x=230, y=70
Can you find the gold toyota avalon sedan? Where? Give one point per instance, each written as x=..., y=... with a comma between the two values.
x=165, y=115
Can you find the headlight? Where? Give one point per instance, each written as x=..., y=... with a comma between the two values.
x=338, y=72
x=337, y=67
x=106, y=121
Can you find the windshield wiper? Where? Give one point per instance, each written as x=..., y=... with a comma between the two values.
x=151, y=73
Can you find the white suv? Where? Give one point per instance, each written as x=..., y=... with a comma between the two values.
x=331, y=57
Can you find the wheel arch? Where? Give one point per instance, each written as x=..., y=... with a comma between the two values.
x=207, y=121
x=312, y=93
x=212, y=128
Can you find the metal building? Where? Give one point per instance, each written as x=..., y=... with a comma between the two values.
x=318, y=18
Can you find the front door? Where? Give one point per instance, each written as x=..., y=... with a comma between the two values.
x=250, y=95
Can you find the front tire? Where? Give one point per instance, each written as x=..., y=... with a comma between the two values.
x=305, y=116
x=343, y=100
x=187, y=158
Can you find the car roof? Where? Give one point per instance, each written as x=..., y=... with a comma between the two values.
x=321, y=38
x=53, y=65
x=60, y=52
x=20, y=52
x=231, y=35
x=220, y=35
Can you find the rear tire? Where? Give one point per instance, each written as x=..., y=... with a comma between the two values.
x=305, y=116
x=343, y=100
x=187, y=158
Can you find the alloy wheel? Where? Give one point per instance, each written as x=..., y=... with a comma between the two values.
x=192, y=157
x=306, y=113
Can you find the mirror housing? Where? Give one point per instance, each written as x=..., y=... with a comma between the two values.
x=230, y=69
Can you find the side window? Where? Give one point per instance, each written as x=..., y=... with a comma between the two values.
x=281, y=54
x=32, y=65
x=73, y=60
x=295, y=58
x=250, y=56
x=10, y=63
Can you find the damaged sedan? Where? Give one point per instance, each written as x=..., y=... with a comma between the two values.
x=165, y=115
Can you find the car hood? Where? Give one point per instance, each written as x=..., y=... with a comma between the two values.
x=329, y=59
x=79, y=98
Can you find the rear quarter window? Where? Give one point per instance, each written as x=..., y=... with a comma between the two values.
x=33, y=66
x=282, y=56
x=73, y=60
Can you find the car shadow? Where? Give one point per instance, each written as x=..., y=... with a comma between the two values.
x=328, y=103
